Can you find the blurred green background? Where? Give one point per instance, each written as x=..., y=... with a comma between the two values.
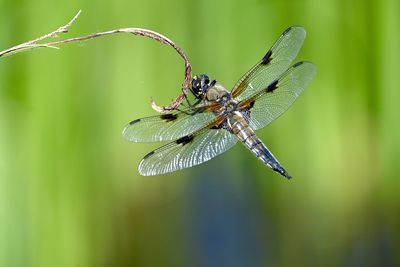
x=70, y=193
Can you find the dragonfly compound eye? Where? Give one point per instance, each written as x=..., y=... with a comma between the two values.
x=200, y=84
x=196, y=85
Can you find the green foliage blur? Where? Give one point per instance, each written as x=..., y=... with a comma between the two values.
x=70, y=193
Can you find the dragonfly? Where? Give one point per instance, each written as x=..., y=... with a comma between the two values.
x=220, y=118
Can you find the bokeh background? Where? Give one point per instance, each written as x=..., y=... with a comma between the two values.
x=70, y=193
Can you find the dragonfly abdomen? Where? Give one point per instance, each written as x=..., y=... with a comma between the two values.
x=247, y=136
x=261, y=151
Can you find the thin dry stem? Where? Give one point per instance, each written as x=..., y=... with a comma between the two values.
x=34, y=43
x=135, y=31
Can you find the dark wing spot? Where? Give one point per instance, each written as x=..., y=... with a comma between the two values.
x=251, y=104
x=169, y=117
x=267, y=58
x=246, y=109
x=247, y=104
x=272, y=86
x=218, y=126
x=184, y=140
x=298, y=64
x=148, y=155
x=133, y=122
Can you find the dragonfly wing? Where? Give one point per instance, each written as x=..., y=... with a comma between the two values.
x=167, y=127
x=272, y=65
x=268, y=104
x=187, y=151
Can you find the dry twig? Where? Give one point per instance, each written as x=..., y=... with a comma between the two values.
x=136, y=31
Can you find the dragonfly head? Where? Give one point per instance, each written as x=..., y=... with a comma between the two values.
x=200, y=85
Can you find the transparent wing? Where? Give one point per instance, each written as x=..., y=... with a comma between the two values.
x=167, y=127
x=267, y=105
x=187, y=151
x=272, y=65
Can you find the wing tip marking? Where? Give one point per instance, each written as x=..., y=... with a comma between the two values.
x=298, y=64
x=287, y=30
x=134, y=121
x=148, y=155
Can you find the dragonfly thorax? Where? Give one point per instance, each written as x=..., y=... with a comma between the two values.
x=218, y=93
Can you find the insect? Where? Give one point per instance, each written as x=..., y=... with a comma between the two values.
x=219, y=118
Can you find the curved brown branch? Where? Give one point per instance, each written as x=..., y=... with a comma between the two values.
x=135, y=31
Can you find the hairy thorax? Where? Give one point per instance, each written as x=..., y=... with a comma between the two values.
x=219, y=94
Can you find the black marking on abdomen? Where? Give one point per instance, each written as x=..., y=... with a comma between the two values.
x=267, y=58
x=261, y=151
x=133, y=122
x=184, y=140
x=272, y=86
x=256, y=143
x=271, y=161
x=169, y=117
